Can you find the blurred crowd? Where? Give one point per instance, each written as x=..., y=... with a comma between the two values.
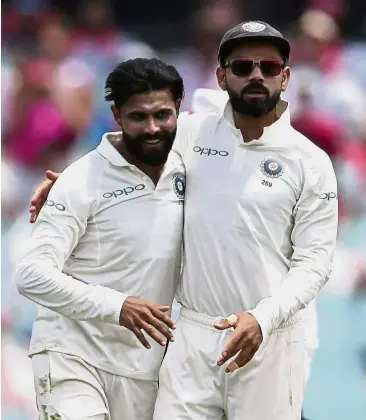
x=53, y=68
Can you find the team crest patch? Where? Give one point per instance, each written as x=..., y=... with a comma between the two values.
x=272, y=167
x=253, y=27
x=179, y=185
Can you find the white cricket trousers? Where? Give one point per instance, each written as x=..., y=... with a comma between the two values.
x=68, y=388
x=193, y=387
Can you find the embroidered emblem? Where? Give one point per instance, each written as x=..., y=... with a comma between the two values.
x=179, y=185
x=253, y=27
x=272, y=167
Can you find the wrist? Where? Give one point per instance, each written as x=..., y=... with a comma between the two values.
x=113, y=305
x=260, y=314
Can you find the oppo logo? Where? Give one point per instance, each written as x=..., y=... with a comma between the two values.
x=328, y=196
x=124, y=191
x=210, y=152
x=58, y=206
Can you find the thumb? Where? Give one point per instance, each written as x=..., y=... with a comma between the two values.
x=223, y=324
x=52, y=176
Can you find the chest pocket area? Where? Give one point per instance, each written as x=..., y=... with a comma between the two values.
x=270, y=198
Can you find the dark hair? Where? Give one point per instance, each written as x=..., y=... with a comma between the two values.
x=142, y=75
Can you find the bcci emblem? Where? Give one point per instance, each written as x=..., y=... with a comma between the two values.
x=179, y=186
x=271, y=167
x=253, y=27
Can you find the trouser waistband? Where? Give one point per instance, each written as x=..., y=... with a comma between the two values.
x=208, y=321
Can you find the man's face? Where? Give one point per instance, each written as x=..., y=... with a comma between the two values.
x=149, y=124
x=257, y=92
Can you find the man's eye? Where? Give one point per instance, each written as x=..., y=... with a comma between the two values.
x=162, y=114
x=137, y=117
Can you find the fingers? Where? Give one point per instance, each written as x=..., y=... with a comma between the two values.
x=140, y=336
x=42, y=189
x=232, y=320
x=244, y=357
x=160, y=315
x=223, y=324
x=137, y=315
x=34, y=211
x=162, y=328
x=226, y=323
x=156, y=324
x=232, y=347
x=245, y=340
x=52, y=176
x=33, y=216
x=161, y=322
x=40, y=196
x=153, y=333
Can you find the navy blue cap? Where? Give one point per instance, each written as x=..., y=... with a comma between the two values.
x=252, y=30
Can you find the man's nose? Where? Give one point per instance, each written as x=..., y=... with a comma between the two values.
x=151, y=127
x=256, y=74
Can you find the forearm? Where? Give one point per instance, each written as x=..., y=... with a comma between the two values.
x=300, y=286
x=40, y=281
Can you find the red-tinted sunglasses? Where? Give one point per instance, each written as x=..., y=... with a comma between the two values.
x=243, y=67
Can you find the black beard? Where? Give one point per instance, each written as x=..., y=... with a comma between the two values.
x=150, y=155
x=255, y=108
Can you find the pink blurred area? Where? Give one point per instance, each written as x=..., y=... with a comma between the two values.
x=56, y=56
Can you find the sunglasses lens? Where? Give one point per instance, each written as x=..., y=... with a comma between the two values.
x=242, y=68
x=271, y=67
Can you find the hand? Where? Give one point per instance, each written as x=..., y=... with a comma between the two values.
x=41, y=194
x=246, y=340
x=137, y=314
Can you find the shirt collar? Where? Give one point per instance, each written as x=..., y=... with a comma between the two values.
x=107, y=150
x=282, y=112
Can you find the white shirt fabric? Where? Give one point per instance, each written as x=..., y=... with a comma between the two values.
x=208, y=100
x=260, y=218
x=105, y=233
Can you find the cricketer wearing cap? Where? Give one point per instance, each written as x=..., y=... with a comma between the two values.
x=209, y=100
x=259, y=234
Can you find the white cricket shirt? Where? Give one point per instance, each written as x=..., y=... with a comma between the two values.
x=260, y=218
x=105, y=233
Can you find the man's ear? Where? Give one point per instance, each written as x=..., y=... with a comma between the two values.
x=178, y=103
x=285, y=78
x=221, y=77
x=116, y=114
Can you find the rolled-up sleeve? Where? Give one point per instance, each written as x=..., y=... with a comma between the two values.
x=61, y=223
x=313, y=238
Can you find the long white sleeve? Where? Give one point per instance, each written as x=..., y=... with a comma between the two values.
x=39, y=277
x=313, y=238
x=105, y=233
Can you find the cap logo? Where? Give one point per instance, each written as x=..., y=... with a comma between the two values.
x=253, y=27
